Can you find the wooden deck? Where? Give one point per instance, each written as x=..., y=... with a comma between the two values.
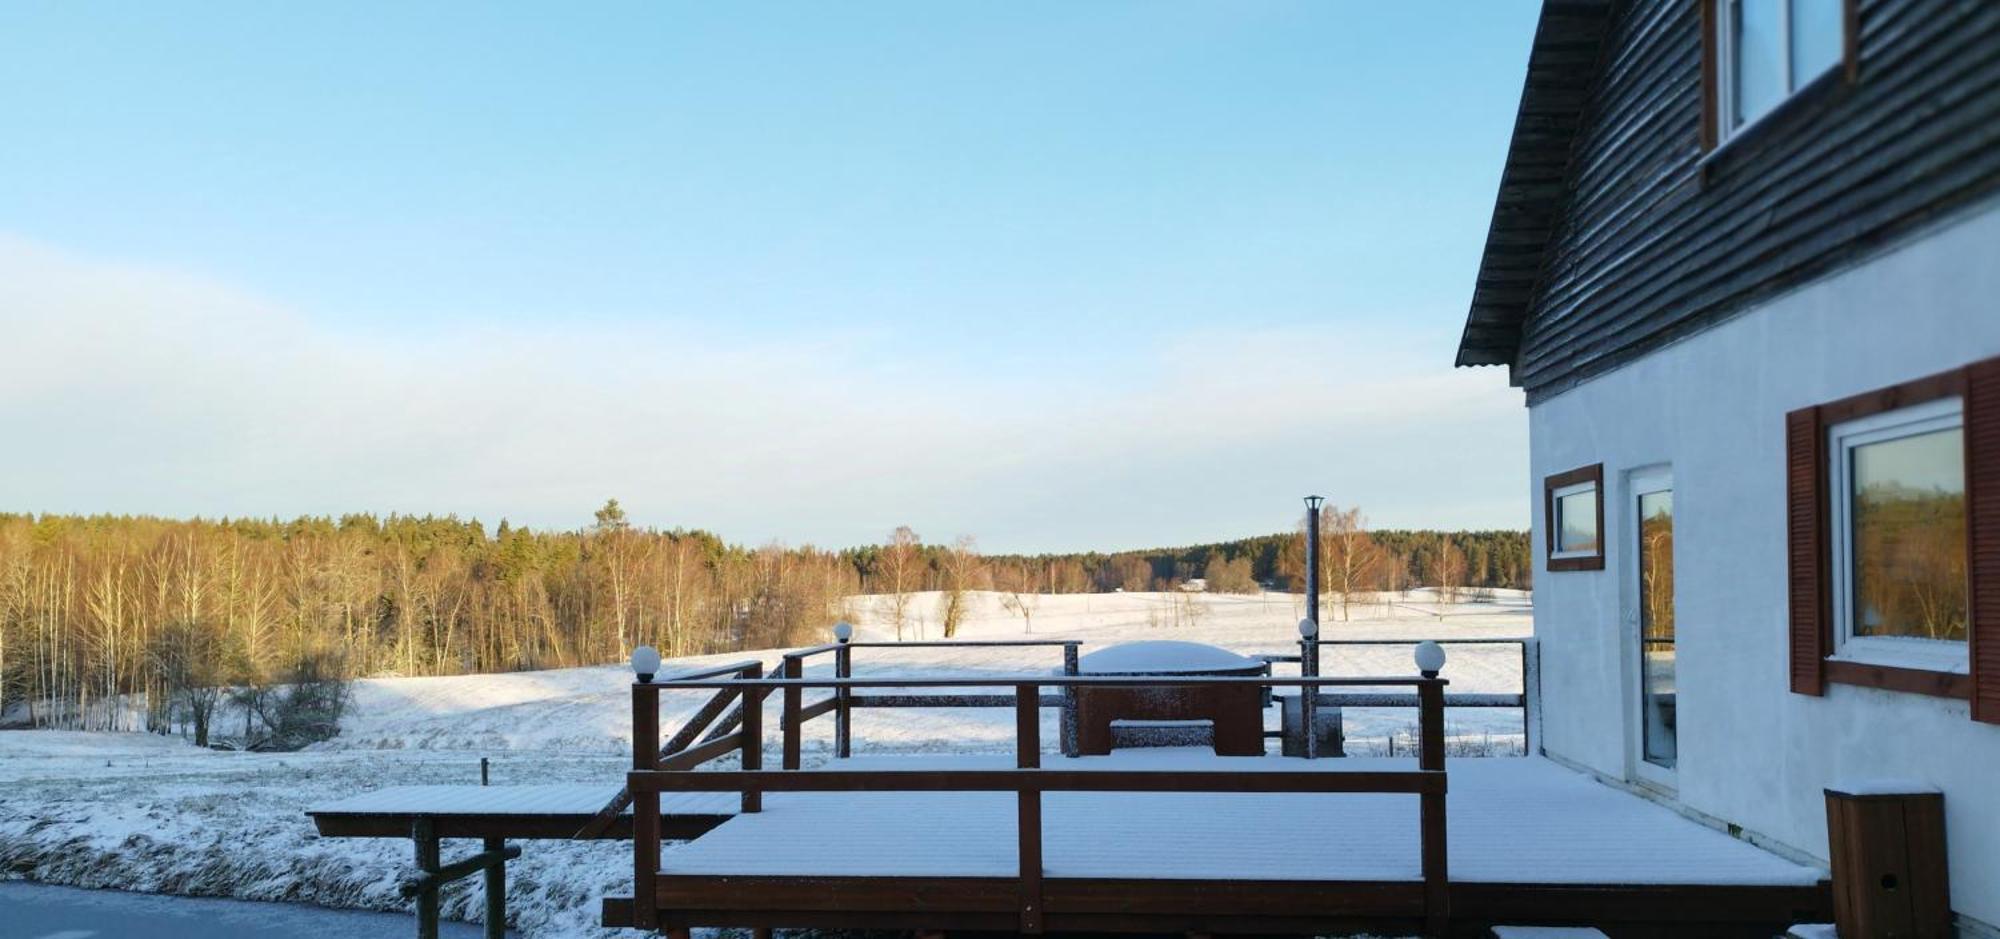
x=1528, y=842
x=1159, y=842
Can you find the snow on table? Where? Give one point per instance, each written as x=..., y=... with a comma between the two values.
x=1510, y=820
x=1162, y=657
x=564, y=799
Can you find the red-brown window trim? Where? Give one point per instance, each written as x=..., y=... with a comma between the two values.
x=1912, y=680
x=1813, y=624
x=1593, y=474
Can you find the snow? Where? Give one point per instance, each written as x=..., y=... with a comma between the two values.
x=151, y=814
x=1162, y=657
x=1885, y=786
x=554, y=799
x=1546, y=932
x=1509, y=820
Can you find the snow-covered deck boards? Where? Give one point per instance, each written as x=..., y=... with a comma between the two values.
x=545, y=811
x=1511, y=820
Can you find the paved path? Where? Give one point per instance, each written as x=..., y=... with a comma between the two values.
x=37, y=911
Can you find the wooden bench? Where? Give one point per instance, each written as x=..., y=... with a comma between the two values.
x=492, y=814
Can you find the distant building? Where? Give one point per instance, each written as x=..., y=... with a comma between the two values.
x=1745, y=265
x=1195, y=585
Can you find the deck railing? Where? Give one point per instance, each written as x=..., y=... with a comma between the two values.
x=655, y=773
x=1528, y=700
x=792, y=665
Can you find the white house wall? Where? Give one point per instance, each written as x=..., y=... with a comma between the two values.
x=1712, y=407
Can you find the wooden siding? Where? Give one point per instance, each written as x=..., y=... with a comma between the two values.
x=1560, y=68
x=1657, y=238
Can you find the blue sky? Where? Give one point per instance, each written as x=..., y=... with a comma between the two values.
x=1056, y=275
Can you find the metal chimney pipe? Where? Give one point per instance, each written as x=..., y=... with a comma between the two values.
x=1312, y=558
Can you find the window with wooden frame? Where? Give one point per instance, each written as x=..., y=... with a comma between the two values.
x=1894, y=524
x=1758, y=54
x=1573, y=519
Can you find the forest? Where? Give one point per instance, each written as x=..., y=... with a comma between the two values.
x=141, y=623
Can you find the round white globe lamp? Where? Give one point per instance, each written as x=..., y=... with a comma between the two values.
x=646, y=663
x=1430, y=658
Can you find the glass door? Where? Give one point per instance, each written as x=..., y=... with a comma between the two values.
x=1657, y=738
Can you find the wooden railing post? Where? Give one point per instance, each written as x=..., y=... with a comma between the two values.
x=424, y=833
x=790, y=723
x=1309, y=697
x=1430, y=756
x=1531, y=697
x=1028, y=755
x=1067, y=734
x=645, y=806
x=496, y=889
x=753, y=736
x=843, y=713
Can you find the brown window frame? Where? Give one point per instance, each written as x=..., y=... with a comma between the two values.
x=1808, y=464
x=1593, y=474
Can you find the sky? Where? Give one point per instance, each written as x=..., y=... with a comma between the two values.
x=1056, y=275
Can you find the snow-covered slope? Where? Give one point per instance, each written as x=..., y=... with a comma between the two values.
x=146, y=813
x=587, y=710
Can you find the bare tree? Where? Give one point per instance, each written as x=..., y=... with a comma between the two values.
x=1353, y=562
x=902, y=563
x=1228, y=575
x=962, y=571
x=1022, y=596
x=188, y=657
x=1447, y=569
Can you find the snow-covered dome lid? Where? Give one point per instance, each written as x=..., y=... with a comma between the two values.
x=1163, y=657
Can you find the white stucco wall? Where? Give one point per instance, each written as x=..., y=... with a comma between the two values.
x=1712, y=408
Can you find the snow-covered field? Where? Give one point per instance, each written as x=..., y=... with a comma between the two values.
x=152, y=814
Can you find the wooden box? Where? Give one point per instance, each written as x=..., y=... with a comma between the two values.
x=1888, y=851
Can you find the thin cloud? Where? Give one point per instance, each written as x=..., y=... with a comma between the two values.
x=139, y=389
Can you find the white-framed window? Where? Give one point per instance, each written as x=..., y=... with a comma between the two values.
x=1768, y=50
x=1897, y=520
x=1576, y=521
x=1573, y=519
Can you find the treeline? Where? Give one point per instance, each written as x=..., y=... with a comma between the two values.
x=1375, y=560
x=133, y=623
x=117, y=622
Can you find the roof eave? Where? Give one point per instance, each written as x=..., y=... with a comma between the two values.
x=1562, y=65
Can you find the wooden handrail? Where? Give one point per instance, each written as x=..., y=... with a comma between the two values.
x=1056, y=681
x=1484, y=641
x=733, y=668
x=966, y=644
x=810, y=651
x=1041, y=779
